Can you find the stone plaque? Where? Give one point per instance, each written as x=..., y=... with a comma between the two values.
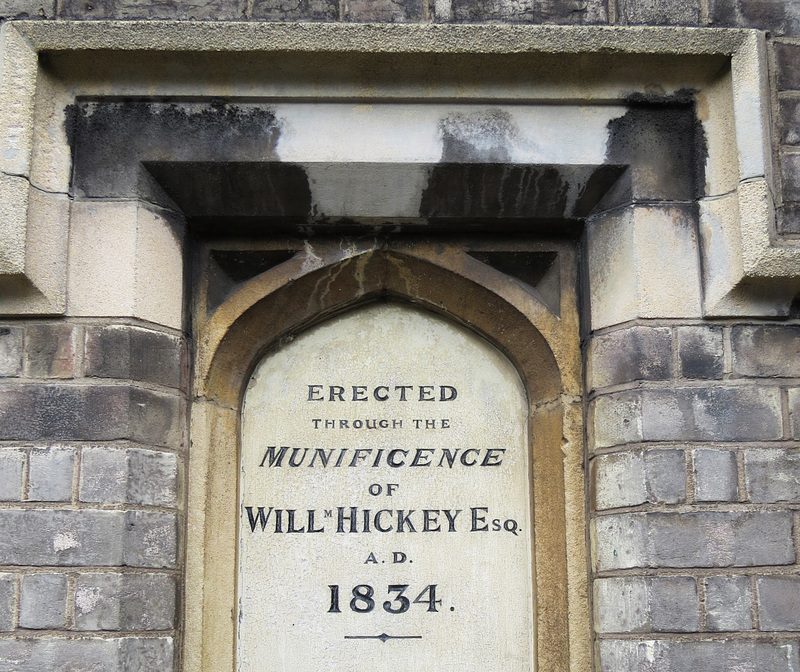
x=385, y=502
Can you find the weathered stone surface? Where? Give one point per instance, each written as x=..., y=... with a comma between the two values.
x=530, y=11
x=81, y=538
x=703, y=539
x=728, y=601
x=708, y=656
x=780, y=18
x=674, y=606
x=630, y=479
x=12, y=467
x=772, y=475
x=129, y=654
x=789, y=221
x=711, y=414
x=700, y=352
x=49, y=351
x=616, y=419
x=394, y=11
x=666, y=476
x=637, y=353
x=131, y=353
x=10, y=351
x=766, y=351
x=621, y=605
x=50, y=474
x=8, y=601
x=24, y=9
x=789, y=121
x=715, y=476
x=99, y=412
x=790, y=170
x=43, y=601
x=794, y=411
x=778, y=597
x=128, y=475
x=660, y=12
x=125, y=602
x=787, y=57
x=304, y=10
x=149, y=9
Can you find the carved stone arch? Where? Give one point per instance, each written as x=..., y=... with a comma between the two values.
x=312, y=287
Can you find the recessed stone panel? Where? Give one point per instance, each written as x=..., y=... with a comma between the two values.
x=385, y=501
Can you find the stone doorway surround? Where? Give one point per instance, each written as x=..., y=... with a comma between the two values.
x=648, y=252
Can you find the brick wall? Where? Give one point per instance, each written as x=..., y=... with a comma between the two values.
x=91, y=457
x=695, y=479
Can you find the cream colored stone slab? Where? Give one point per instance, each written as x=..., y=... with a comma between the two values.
x=13, y=224
x=18, y=69
x=392, y=462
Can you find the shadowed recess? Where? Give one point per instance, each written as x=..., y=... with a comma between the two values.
x=229, y=268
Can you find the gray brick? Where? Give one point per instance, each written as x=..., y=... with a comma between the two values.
x=712, y=414
x=702, y=539
x=772, y=475
x=790, y=170
x=128, y=475
x=130, y=654
x=149, y=9
x=715, y=476
x=789, y=221
x=531, y=11
x=23, y=9
x=660, y=12
x=43, y=601
x=8, y=601
x=674, y=606
x=787, y=57
x=49, y=351
x=638, y=353
x=12, y=468
x=98, y=412
x=779, y=17
x=778, y=600
x=50, y=474
x=728, y=601
x=125, y=602
x=789, y=121
x=766, y=351
x=700, y=656
x=618, y=480
x=131, y=353
x=10, y=351
x=616, y=419
x=700, y=352
x=379, y=11
x=81, y=538
x=621, y=605
x=303, y=10
x=666, y=476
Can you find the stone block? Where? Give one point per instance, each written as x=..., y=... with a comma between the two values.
x=91, y=654
x=778, y=600
x=778, y=17
x=707, y=656
x=728, y=600
x=382, y=11
x=27, y=9
x=50, y=474
x=700, y=352
x=47, y=537
x=766, y=351
x=789, y=121
x=8, y=602
x=715, y=476
x=128, y=475
x=666, y=476
x=772, y=475
x=12, y=468
x=794, y=411
x=220, y=10
x=43, y=601
x=674, y=606
x=131, y=353
x=305, y=10
x=621, y=605
x=125, y=602
x=87, y=413
x=790, y=172
x=616, y=419
x=702, y=539
x=10, y=351
x=711, y=414
x=637, y=353
x=530, y=11
x=49, y=351
x=789, y=220
x=660, y=12
x=787, y=58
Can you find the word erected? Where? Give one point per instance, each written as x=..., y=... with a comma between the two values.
x=382, y=393
x=362, y=602
x=395, y=458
